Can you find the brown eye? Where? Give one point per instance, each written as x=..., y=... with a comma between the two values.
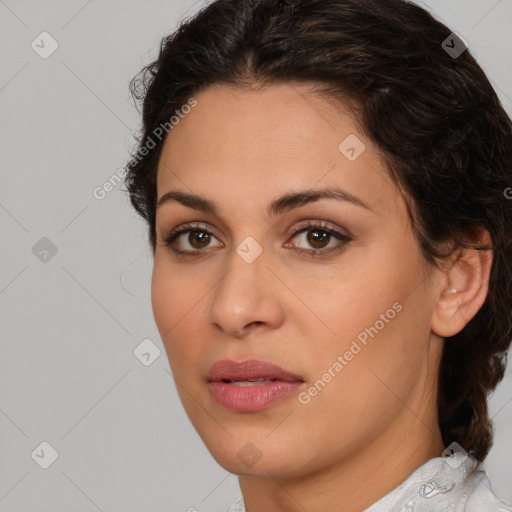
x=315, y=239
x=199, y=238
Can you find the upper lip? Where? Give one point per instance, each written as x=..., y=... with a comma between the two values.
x=249, y=369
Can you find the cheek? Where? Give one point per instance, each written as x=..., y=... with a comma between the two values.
x=380, y=331
x=364, y=390
x=176, y=307
x=372, y=312
x=174, y=295
x=343, y=304
x=164, y=299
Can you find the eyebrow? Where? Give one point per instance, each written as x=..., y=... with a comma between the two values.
x=282, y=204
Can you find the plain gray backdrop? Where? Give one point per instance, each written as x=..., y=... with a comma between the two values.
x=75, y=270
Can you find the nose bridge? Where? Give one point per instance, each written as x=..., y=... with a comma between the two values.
x=246, y=263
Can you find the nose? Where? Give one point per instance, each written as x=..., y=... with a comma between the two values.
x=247, y=298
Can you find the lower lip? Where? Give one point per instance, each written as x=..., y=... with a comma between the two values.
x=252, y=398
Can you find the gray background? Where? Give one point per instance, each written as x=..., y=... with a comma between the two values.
x=70, y=324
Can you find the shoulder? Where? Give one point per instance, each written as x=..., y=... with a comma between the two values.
x=479, y=496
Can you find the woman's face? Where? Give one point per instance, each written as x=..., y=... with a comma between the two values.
x=332, y=290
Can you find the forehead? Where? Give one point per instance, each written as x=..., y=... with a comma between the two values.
x=263, y=122
x=259, y=142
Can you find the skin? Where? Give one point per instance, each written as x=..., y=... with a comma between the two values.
x=376, y=421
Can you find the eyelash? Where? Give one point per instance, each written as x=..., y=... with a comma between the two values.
x=309, y=226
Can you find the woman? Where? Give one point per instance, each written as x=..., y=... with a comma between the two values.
x=324, y=183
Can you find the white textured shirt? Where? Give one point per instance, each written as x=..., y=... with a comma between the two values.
x=440, y=485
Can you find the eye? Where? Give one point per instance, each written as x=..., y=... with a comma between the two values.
x=198, y=238
x=318, y=236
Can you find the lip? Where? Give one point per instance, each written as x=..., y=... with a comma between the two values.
x=249, y=369
x=255, y=397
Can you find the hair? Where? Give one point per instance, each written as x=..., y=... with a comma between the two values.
x=443, y=133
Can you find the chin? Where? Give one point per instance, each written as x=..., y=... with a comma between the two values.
x=258, y=456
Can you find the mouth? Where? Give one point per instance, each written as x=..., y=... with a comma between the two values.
x=248, y=382
x=251, y=385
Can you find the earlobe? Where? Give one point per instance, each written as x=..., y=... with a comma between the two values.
x=463, y=286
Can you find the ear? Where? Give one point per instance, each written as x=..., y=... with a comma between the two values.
x=463, y=285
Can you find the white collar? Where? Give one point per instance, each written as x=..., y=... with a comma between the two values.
x=442, y=484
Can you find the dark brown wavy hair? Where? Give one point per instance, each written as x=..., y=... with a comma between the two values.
x=444, y=134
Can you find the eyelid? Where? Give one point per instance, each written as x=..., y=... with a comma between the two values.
x=189, y=226
x=319, y=224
